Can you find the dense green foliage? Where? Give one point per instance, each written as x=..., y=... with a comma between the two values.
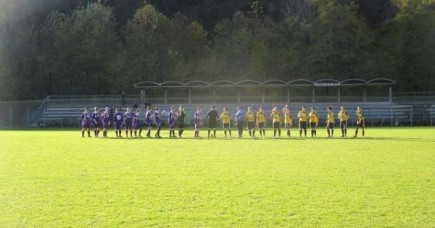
x=58, y=179
x=103, y=47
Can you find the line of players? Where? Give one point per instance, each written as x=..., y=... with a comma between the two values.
x=130, y=120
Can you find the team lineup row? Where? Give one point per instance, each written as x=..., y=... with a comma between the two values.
x=132, y=124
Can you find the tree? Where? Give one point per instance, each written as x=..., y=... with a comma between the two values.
x=18, y=58
x=376, y=12
x=124, y=10
x=146, y=44
x=339, y=41
x=75, y=47
x=240, y=48
x=299, y=10
x=208, y=12
x=84, y=44
x=188, y=48
x=406, y=51
x=287, y=46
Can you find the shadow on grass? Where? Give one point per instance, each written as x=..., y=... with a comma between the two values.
x=397, y=139
x=277, y=138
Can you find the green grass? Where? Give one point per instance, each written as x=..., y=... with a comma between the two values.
x=56, y=178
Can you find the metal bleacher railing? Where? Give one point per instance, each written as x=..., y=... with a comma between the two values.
x=65, y=111
x=15, y=114
x=61, y=113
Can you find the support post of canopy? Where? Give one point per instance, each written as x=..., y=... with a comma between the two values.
x=262, y=96
x=166, y=96
x=288, y=95
x=390, y=94
x=190, y=96
x=238, y=96
x=339, y=95
x=142, y=96
x=365, y=95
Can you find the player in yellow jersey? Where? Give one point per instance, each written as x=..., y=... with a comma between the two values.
x=261, y=121
x=250, y=118
x=360, y=121
x=226, y=121
x=303, y=117
x=288, y=122
x=343, y=116
x=276, y=120
x=330, y=122
x=314, y=121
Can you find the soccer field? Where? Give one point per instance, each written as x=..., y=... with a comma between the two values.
x=56, y=178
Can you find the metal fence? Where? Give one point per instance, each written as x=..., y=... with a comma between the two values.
x=18, y=114
x=414, y=98
x=406, y=109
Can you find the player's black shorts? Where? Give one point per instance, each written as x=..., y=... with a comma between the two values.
x=261, y=125
x=360, y=123
x=251, y=125
x=343, y=124
x=212, y=125
x=287, y=125
x=118, y=126
x=181, y=125
x=240, y=125
x=313, y=125
x=302, y=124
x=330, y=125
x=276, y=124
x=85, y=125
x=226, y=125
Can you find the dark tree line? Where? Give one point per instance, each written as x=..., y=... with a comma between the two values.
x=104, y=47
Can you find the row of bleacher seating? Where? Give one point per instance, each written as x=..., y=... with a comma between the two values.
x=382, y=113
x=61, y=111
x=431, y=110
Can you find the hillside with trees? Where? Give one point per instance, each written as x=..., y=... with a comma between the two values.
x=104, y=47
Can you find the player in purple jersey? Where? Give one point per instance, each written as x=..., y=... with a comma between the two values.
x=171, y=123
x=157, y=115
x=137, y=124
x=86, y=119
x=197, y=121
x=128, y=119
x=118, y=119
x=96, y=117
x=106, y=121
x=149, y=120
x=133, y=114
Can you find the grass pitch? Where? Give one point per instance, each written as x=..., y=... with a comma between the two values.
x=56, y=179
